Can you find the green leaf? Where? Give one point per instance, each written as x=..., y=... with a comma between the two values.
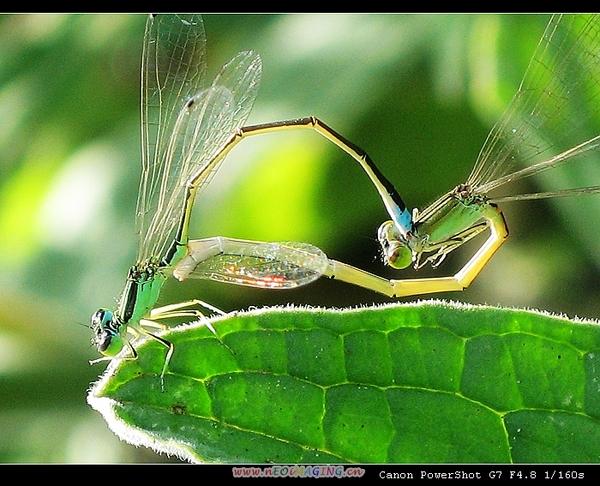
x=424, y=382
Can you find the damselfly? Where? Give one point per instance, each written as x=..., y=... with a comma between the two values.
x=188, y=128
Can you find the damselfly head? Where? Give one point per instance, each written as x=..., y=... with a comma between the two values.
x=397, y=250
x=105, y=333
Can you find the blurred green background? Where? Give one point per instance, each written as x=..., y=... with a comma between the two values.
x=418, y=92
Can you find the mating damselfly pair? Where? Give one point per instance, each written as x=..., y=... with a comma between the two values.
x=189, y=125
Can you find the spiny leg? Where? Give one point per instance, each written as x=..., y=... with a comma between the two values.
x=133, y=356
x=164, y=342
x=170, y=311
x=171, y=315
x=155, y=325
x=182, y=305
x=448, y=246
x=139, y=330
x=184, y=313
x=188, y=313
x=99, y=360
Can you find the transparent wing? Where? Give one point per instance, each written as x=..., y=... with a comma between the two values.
x=185, y=123
x=281, y=265
x=550, y=120
x=173, y=70
x=546, y=195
